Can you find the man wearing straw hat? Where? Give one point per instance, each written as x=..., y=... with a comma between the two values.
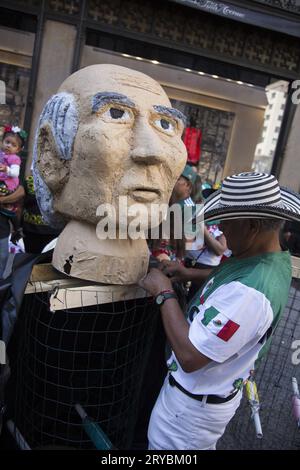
x=230, y=321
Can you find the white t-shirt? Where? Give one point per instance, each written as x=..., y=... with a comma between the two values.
x=202, y=253
x=228, y=319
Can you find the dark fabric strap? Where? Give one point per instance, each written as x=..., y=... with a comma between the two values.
x=212, y=399
x=4, y=226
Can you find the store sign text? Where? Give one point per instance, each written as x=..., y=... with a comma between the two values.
x=215, y=7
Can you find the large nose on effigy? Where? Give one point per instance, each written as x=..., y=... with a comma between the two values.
x=148, y=148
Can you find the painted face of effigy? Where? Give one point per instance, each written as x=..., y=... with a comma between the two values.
x=127, y=142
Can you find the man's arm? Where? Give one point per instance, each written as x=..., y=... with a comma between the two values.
x=177, y=331
x=16, y=196
x=175, y=324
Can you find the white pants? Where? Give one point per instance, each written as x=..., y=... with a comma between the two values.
x=179, y=422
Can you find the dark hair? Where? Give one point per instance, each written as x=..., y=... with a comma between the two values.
x=14, y=134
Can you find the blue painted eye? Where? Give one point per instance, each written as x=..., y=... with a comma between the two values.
x=165, y=125
x=116, y=113
x=112, y=113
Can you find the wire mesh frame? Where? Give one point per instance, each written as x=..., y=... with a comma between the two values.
x=55, y=422
x=95, y=356
x=274, y=382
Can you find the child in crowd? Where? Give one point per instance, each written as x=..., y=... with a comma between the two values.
x=12, y=143
x=206, y=251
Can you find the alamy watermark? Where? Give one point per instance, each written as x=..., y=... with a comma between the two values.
x=296, y=93
x=2, y=353
x=154, y=221
x=2, y=92
x=296, y=354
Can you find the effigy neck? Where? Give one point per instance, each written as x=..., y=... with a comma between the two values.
x=79, y=253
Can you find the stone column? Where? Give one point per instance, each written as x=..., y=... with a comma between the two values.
x=244, y=138
x=54, y=67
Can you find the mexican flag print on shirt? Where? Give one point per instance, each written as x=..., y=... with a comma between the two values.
x=219, y=324
x=230, y=320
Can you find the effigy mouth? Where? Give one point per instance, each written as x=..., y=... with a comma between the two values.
x=145, y=194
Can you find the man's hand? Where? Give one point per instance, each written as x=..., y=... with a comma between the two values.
x=174, y=270
x=3, y=168
x=155, y=282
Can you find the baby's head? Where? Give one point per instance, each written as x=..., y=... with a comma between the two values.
x=13, y=140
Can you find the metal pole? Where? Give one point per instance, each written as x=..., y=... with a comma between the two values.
x=287, y=120
x=80, y=38
x=34, y=73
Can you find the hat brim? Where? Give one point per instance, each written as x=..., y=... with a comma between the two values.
x=289, y=208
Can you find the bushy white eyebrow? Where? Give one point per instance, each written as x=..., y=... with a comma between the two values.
x=172, y=112
x=101, y=99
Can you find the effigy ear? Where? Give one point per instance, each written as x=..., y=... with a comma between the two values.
x=52, y=168
x=55, y=138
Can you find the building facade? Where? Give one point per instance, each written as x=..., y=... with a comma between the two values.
x=218, y=62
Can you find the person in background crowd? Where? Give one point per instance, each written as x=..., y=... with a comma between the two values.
x=183, y=187
x=207, y=255
x=291, y=237
x=5, y=227
x=174, y=249
x=13, y=141
x=206, y=252
x=196, y=193
x=231, y=322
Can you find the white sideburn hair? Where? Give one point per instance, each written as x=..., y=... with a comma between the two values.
x=61, y=114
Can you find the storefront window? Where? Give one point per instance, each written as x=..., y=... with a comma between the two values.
x=16, y=80
x=16, y=50
x=207, y=137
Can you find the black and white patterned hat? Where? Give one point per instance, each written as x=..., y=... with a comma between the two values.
x=252, y=195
